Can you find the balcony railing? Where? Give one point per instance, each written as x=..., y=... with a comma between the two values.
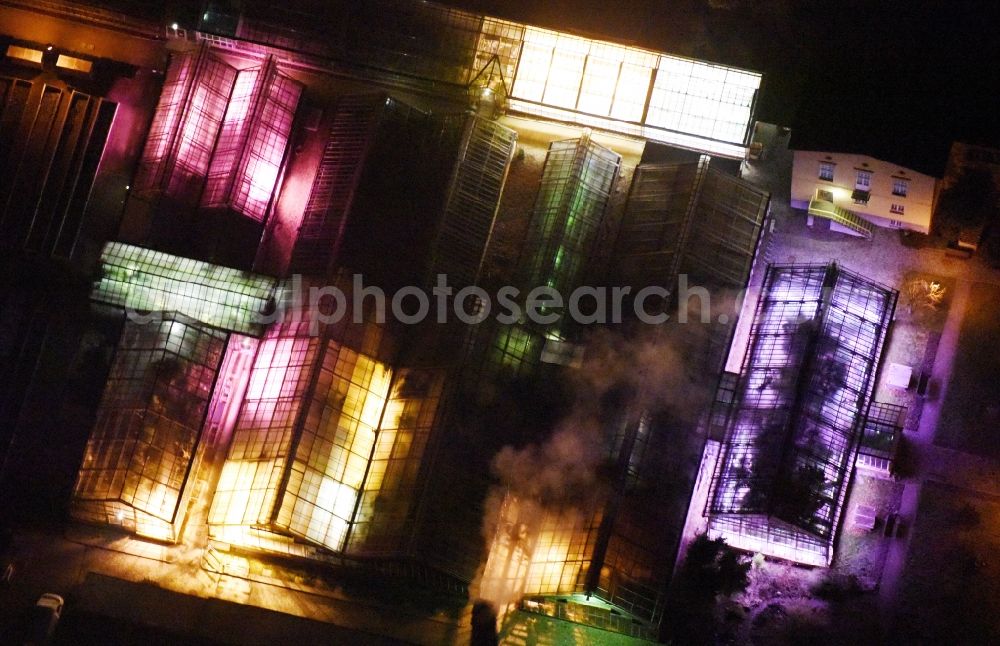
x=827, y=209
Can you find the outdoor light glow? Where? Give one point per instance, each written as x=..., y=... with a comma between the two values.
x=73, y=63
x=550, y=571
x=538, y=551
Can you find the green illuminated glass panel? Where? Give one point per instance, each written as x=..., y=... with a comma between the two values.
x=576, y=183
x=515, y=347
x=152, y=281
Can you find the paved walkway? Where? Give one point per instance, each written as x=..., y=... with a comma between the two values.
x=69, y=566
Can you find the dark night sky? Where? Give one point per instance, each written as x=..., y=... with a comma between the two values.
x=897, y=80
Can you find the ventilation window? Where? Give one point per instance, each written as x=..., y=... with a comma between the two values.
x=25, y=54
x=73, y=63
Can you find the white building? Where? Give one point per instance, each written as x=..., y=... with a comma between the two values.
x=857, y=192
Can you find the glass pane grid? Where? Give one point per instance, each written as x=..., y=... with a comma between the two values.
x=152, y=281
x=818, y=326
x=259, y=450
x=334, y=448
x=391, y=485
x=268, y=142
x=149, y=421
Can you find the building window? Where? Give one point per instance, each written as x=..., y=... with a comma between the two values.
x=897, y=224
x=900, y=186
x=826, y=171
x=864, y=179
x=896, y=208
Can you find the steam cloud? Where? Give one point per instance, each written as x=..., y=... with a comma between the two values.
x=663, y=368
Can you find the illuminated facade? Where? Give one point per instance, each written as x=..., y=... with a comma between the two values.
x=217, y=148
x=235, y=418
x=140, y=454
x=857, y=192
x=798, y=415
x=219, y=135
x=611, y=547
x=187, y=320
x=625, y=89
x=539, y=72
x=327, y=445
x=615, y=551
x=144, y=280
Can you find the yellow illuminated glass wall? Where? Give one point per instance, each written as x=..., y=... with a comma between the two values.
x=140, y=453
x=538, y=550
x=619, y=88
x=380, y=525
x=562, y=552
x=327, y=446
x=331, y=457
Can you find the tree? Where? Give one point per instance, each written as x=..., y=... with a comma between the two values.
x=969, y=203
x=801, y=495
x=711, y=568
